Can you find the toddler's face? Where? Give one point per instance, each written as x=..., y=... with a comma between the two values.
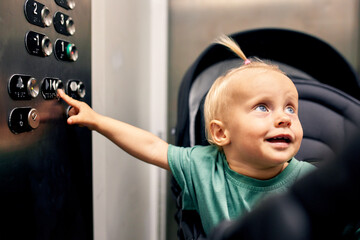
x=263, y=121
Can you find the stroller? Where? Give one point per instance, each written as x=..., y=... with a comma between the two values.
x=328, y=89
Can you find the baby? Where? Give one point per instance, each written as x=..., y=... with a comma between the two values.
x=251, y=117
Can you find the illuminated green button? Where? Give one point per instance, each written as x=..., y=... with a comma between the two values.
x=71, y=52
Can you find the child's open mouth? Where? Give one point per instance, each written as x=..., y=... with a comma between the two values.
x=282, y=139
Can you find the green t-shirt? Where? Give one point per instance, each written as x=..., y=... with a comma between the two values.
x=215, y=191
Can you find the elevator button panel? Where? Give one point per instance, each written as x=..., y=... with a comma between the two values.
x=23, y=87
x=42, y=158
x=64, y=24
x=67, y=4
x=37, y=13
x=38, y=44
x=76, y=89
x=65, y=51
x=49, y=86
x=23, y=119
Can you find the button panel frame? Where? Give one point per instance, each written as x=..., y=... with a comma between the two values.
x=37, y=13
x=23, y=119
x=23, y=87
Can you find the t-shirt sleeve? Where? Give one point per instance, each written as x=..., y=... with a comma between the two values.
x=179, y=159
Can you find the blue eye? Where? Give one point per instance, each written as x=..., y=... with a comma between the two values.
x=261, y=108
x=290, y=110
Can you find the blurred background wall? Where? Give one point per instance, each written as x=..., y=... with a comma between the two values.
x=140, y=51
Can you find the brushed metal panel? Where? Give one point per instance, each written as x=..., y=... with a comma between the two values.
x=45, y=174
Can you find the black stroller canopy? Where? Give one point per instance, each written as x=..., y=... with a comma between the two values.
x=299, y=50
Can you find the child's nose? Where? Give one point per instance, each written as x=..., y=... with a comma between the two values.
x=283, y=120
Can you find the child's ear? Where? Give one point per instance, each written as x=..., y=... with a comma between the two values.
x=219, y=134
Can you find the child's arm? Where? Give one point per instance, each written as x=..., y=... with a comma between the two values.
x=135, y=141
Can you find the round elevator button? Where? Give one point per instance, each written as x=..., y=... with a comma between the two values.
x=46, y=46
x=72, y=52
x=71, y=4
x=33, y=118
x=46, y=17
x=81, y=90
x=70, y=26
x=32, y=87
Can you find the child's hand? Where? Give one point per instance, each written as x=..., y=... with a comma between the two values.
x=80, y=113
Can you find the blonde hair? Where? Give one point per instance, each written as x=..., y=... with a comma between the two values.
x=215, y=101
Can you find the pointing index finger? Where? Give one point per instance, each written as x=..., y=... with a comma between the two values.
x=69, y=100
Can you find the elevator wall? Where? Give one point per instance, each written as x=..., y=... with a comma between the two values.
x=129, y=84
